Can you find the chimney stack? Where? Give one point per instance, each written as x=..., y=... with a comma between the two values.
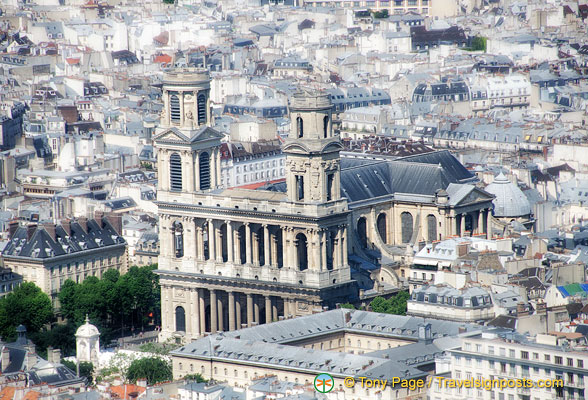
x=66, y=225
x=56, y=355
x=31, y=230
x=98, y=216
x=116, y=221
x=521, y=310
x=50, y=229
x=12, y=227
x=83, y=221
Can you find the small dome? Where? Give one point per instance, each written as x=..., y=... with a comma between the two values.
x=87, y=330
x=510, y=200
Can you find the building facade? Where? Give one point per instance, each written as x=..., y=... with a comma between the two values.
x=258, y=254
x=50, y=254
x=557, y=363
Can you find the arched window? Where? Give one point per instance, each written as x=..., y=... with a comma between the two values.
x=326, y=127
x=299, y=127
x=204, y=162
x=178, y=232
x=175, y=172
x=174, y=108
x=406, y=221
x=301, y=243
x=362, y=232
x=381, y=223
x=431, y=228
x=201, y=109
x=180, y=319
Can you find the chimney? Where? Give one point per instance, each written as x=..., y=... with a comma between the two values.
x=98, y=216
x=347, y=316
x=462, y=329
x=31, y=230
x=50, y=229
x=66, y=225
x=83, y=221
x=462, y=249
x=5, y=358
x=116, y=221
x=12, y=227
x=56, y=355
x=521, y=310
x=542, y=308
x=50, y=354
x=425, y=332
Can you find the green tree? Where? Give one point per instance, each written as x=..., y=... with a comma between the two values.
x=195, y=377
x=479, y=44
x=153, y=369
x=393, y=305
x=348, y=305
x=86, y=369
x=26, y=305
x=381, y=14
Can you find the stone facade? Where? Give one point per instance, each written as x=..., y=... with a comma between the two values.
x=235, y=257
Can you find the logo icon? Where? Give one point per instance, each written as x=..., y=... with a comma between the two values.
x=324, y=383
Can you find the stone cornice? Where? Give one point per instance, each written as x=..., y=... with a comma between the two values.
x=224, y=213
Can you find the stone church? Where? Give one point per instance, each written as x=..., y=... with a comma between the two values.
x=232, y=257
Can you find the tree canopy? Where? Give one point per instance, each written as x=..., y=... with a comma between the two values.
x=393, y=305
x=27, y=305
x=153, y=369
x=115, y=302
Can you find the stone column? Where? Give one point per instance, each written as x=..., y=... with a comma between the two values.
x=213, y=311
x=230, y=247
x=218, y=167
x=247, y=243
x=221, y=319
x=255, y=249
x=195, y=306
x=212, y=166
x=336, y=251
x=197, y=170
x=344, y=252
x=285, y=252
x=238, y=310
x=461, y=225
x=200, y=242
x=231, y=306
x=268, y=309
x=274, y=250
x=237, y=247
x=480, y=222
x=218, y=240
x=211, y=237
x=182, y=113
x=488, y=224
x=189, y=235
x=202, y=311
x=256, y=309
x=275, y=310
x=318, y=258
x=323, y=247
x=266, y=245
x=249, y=309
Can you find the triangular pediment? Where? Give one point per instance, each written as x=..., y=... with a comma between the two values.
x=475, y=196
x=206, y=133
x=173, y=135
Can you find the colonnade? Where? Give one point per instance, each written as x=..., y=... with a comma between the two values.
x=214, y=310
x=256, y=244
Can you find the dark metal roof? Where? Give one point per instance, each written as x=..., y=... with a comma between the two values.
x=42, y=245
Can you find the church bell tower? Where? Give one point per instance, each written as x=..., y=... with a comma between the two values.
x=312, y=151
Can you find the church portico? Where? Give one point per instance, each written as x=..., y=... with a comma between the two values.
x=210, y=304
